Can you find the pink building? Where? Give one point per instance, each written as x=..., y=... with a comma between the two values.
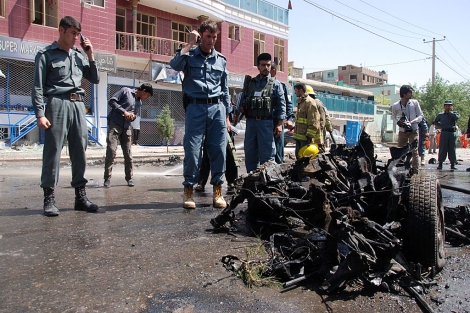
x=133, y=41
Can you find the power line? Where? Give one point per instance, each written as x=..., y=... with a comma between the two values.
x=400, y=62
x=375, y=26
x=329, y=12
x=451, y=68
x=381, y=20
x=452, y=58
x=457, y=52
x=400, y=18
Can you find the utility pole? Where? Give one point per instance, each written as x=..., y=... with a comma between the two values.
x=434, y=56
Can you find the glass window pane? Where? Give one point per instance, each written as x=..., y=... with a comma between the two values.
x=174, y=25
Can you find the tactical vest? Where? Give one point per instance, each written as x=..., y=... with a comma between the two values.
x=259, y=104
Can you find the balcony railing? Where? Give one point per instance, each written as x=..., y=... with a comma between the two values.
x=149, y=44
x=263, y=8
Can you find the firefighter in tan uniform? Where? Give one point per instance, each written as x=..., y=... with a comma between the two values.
x=325, y=122
x=307, y=123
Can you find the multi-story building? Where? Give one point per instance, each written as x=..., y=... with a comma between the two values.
x=133, y=40
x=327, y=76
x=295, y=72
x=357, y=76
x=385, y=94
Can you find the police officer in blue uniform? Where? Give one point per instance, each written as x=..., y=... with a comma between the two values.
x=205, y=92
x=447, y=143
x=279, y=141
x=59, y=69
x=263, y=102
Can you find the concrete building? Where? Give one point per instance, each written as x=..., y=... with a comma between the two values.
x=385, y=94
x=295, y=72
x=358, y=76
x=327, y=76
x=133, y=43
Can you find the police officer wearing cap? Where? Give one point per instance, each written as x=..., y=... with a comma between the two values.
x=263, y=102
x=125, y=106
x=58, y=72
x=207, y=98
x=447, y=143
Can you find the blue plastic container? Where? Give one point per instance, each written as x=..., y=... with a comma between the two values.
x=353, y=131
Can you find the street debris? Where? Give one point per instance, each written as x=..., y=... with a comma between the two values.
x=346, y=219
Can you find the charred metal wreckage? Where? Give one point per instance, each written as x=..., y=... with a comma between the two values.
x=342, y=217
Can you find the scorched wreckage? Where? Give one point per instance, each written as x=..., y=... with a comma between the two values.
x=342, y=216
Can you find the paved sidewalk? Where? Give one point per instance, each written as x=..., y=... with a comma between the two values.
x=34, y=153
x=151, y=153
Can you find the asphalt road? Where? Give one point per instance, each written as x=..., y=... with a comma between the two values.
x=144, y=253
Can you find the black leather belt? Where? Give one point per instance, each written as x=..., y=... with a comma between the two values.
x=71, y=96
x=258, y=118
x=212, y=100
x=448, y=130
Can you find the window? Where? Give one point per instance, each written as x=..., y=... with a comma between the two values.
x=120, y=19
x=279, y=53
x=180, y=32
x=2, y=8
x=44, y=12
x=343, y=68
x=99, y=3
x=258, y=45
x=146, y=26
x=234, y=32
x=330, y=74
x=352, y=78
x=121, y=39
x=180, y=35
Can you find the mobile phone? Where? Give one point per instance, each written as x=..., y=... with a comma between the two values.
x=198, y=41
x=82, y=42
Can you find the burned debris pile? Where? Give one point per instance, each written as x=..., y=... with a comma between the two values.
x=342, y=217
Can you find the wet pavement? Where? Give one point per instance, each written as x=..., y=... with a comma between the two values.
x=144, y=253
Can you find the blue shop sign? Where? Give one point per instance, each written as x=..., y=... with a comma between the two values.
x=14, y=48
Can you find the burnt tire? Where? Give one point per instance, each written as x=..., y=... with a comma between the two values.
x=424, y=223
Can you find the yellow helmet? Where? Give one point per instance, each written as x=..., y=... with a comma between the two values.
x=309, y=90
x=310, y=150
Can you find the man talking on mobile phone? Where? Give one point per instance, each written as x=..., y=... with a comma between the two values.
x=206, y=94
x=58, y=72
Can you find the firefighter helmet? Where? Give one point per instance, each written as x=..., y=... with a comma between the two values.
x=309, y=90
x=310, y=150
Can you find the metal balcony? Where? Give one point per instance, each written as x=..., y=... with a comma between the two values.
x=148, y=44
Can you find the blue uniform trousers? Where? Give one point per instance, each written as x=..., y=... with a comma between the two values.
x=208, y=119
x=259, y=143
x=279, y=143
x=67, y=122
x=447, y=143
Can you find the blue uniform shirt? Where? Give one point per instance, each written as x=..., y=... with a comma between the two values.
x=289, y=107
x=204, y=76
x=279, y=111
x=58, y=72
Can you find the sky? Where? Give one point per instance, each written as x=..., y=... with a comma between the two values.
x=321, y=39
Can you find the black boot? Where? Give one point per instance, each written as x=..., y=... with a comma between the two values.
x=81, y=201
x=452, y=166
x=49, y=203
x=439, y=167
